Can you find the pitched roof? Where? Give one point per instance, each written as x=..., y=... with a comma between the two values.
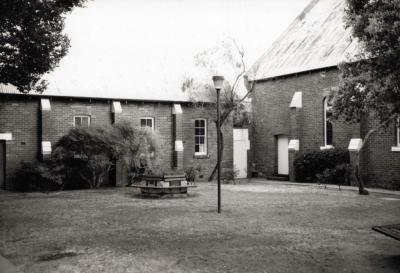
x=316, y=39
x=163, y=96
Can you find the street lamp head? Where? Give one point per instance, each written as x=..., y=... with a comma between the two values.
x=218, y=82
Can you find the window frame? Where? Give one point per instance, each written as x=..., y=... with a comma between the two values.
x=326, y=107
x=82, y=116
x=205, y=137
x=397, y=130
x=147, y=118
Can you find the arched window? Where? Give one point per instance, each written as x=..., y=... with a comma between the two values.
x=398, y=133
x=328, y=131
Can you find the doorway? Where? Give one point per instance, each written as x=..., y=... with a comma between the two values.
x=283, y=155
x=241, y=145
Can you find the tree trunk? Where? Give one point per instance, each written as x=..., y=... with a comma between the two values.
x=360, y=181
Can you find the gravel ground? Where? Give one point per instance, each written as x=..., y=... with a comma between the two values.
x=266, y=227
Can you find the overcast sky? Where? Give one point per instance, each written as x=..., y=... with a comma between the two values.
x=148, y=45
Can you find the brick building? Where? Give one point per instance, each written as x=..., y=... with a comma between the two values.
x=30, y=124
x=291, y=113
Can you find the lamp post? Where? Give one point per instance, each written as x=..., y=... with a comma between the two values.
x=218, y=82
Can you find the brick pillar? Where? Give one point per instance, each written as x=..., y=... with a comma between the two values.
x=121, y=171
x=295, y=131
x=46, y=134
x=178, y=137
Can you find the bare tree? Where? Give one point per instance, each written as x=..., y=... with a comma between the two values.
x=227, y=59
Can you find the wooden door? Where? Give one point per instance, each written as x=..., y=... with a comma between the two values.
x=283, y=155
x=240, y=146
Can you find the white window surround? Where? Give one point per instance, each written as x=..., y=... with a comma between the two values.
x=81, y=117
x=326, y=147
x=202, y=146
x=147, y=119
x=327, y=107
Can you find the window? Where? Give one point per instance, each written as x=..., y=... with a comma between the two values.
x=147, y=122
x=81, y=121
x=328, y=131
x=396, y=147
x=200, y=137
x=398, y=133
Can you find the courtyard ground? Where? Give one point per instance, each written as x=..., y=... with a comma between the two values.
x=264, y=227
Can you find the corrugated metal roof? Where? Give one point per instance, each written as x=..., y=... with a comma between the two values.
x=316, y=39
x=178, y=96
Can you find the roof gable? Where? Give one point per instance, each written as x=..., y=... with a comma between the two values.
x=316, y=39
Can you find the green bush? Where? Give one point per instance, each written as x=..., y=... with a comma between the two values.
x=323, y=165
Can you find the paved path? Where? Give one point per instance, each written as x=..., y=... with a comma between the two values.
x=327, y=186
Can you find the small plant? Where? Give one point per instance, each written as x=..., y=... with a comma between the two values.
x=190, y=174
x=229, y=175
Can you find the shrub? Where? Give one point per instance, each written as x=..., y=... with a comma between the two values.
x=190, y=174
x=308, y=165
x=140, y=149
x=35, y=177
x=229, y=175
x=338, y=175
x=88, y=154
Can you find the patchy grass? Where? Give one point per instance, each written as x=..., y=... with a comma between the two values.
x=262, y=228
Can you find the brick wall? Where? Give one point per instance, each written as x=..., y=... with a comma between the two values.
x=271, y=100
x=61, y=116
x=380, y=166
x=163, y=123
x=21, y=115
x=206, y=163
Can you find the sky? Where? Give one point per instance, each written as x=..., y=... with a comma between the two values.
x=141, y=46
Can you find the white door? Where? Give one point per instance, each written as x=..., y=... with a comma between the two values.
x=283, y=155
x=240, y=146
